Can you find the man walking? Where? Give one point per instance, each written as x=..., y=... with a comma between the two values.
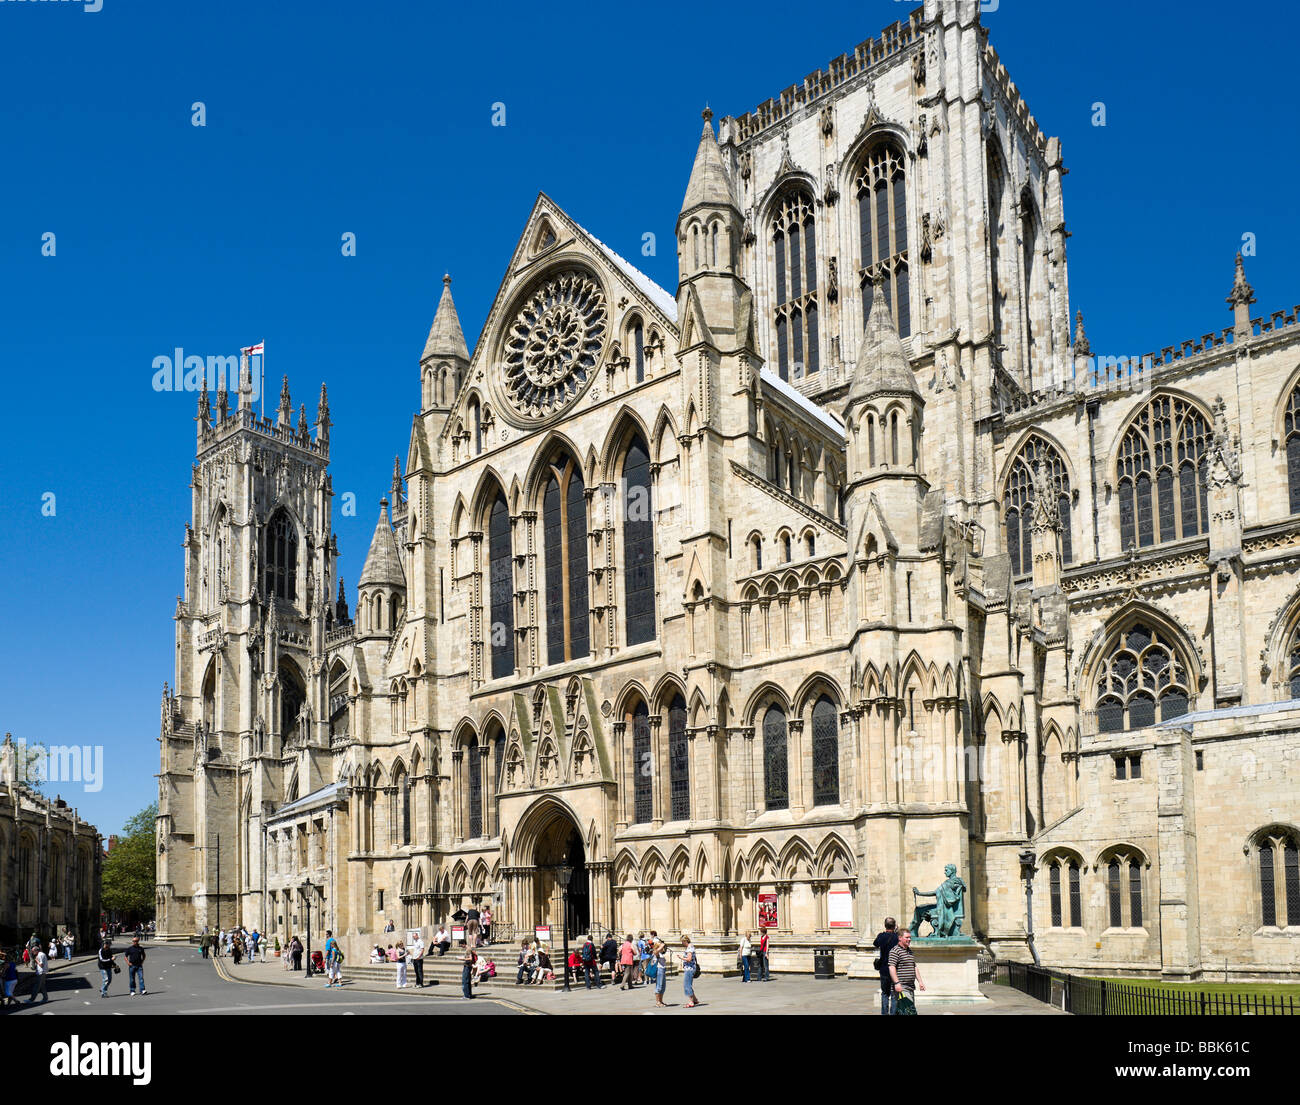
x=135, y=966
x=41, y=965
x=885, y=943
x=416, y=954
x=107, y=968
x=904, y=975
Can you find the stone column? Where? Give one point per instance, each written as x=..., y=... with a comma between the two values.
x=795, y=752
x=623, y=780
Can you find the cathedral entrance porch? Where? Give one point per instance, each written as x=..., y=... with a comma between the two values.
x=548, y=843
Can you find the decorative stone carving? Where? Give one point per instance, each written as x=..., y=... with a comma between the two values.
x=554, y=344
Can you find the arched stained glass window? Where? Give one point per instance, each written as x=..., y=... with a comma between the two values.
x=474, y=764
x=1142, y=677
x=882, y=228
x=679, y=770
x=1054, y=887
x=1279, y=876
x=638, y=545
x=642, y=764
x=794, y=244
x=1161, y=474
x=406, y=808
x=826, y=753
x=1291, y=431
x=638, y=350
x=1076, y=897
x=281, y=564
x=1113, y=896
x=776, y=776
x=564, y=519
x=1018, y=502
x=501, y=628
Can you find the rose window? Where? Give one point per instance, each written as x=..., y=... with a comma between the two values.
x=554, y=344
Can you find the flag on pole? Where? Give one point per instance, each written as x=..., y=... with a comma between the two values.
x=259, y=350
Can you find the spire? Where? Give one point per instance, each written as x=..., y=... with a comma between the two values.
x=709, y=184
x=446, y=339
x=245, y=384
x=1081, y=346
x=397, y=480
x=383, y=565
x=1242, y=294
x=286, y=404
x=1240, y=299
x=223, y=401
x=341, y=607
x=302, y=421
x=323, y=418
x=204, y=417
x=882, y=364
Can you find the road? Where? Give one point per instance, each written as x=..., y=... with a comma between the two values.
x=182, y=983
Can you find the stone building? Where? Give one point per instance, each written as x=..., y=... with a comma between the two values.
x=846, y=561
x=50, y=860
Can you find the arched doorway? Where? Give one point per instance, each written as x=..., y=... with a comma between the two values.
x=559, y=844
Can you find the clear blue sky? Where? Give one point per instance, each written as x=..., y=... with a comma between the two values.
x=374, y=119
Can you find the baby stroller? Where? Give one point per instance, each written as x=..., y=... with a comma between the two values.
x=317, y=963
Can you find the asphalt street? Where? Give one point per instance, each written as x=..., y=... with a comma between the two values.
x=181, y=982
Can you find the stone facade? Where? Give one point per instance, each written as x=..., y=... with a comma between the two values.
x=847, y=561
x=50, y=861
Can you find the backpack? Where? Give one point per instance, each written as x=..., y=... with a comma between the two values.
x=589, y=952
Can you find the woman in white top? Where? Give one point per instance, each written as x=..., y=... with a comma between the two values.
x=746, y=951
x=401, y=965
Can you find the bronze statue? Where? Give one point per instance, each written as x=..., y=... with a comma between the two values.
x=945, y=914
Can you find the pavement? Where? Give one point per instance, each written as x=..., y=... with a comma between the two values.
x=182, y=983
x=784, y=994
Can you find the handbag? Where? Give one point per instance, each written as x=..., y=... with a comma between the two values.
x=875, y=964
x=116, y=969
x=905, y=1007
x=652, y=971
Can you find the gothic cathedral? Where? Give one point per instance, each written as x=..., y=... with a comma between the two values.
x=846, y=561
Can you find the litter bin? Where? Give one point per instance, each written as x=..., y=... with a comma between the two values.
x=824, y=963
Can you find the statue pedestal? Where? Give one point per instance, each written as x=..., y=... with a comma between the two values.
x=950, y=968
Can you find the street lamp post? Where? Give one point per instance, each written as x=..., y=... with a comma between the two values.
x=563, y=875
x=306, y=893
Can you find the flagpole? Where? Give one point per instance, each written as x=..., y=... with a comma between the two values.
x=263, y=360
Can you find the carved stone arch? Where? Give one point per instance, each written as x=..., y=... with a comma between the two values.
x=764, y=694
x=654, y=868
x=479, y=877
x=915, y=672
x=625, y=425
x=761, y=863
x=1275, y=656
x=464, y=734
x=698, y=709
x=489, y=486
x=871, y=681
x=664, y=442
x=554, y=443
x=811, y=579
x=701, y=867
x=795, y=855
x=875, y=130
x=459, y=877
x=831, y=851
x=666, y=687
x=408, y=880
x=1122, y=847
x=1279, y=412
x=515, y=496
x=1256, y=837
x=991, y=709
x=631, y=691
x=627, y=871
x=790, y=179
x=833, y=572
x=812, y=688
x=1018, y=446
x=1098, y=645
x=679, y=864
x=492, y=719
x=1110, y=467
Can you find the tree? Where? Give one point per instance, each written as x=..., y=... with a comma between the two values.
x=130, y=870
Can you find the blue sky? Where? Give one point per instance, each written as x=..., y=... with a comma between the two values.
x=375, y=119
